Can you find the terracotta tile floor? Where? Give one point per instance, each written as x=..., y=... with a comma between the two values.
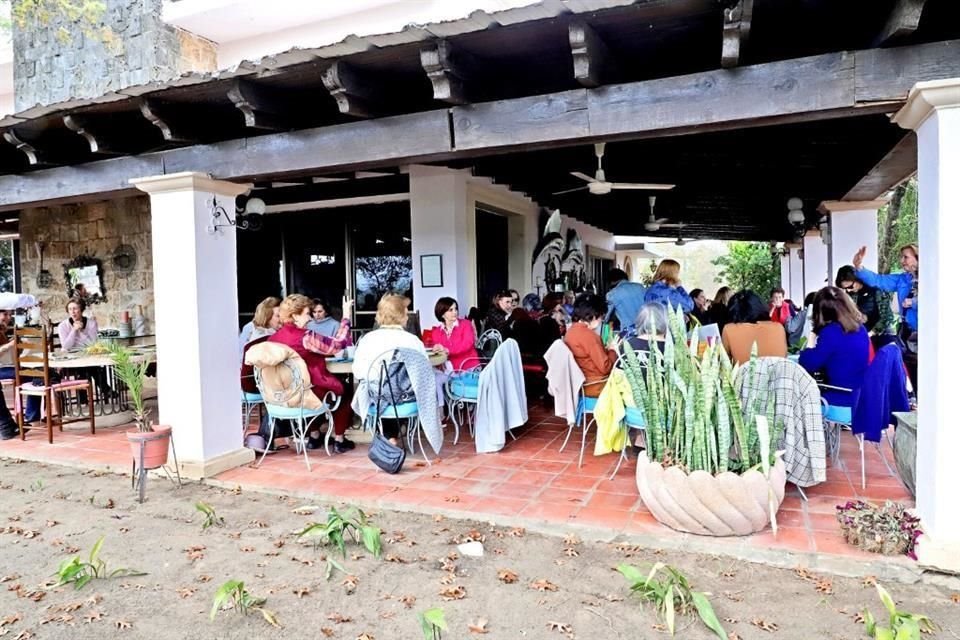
x=530, y=482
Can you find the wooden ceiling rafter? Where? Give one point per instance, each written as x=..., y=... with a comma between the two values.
x=593, y=62
x=736, y=30
x=902, y=22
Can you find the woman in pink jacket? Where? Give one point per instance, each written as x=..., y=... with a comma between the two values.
x=454, y=334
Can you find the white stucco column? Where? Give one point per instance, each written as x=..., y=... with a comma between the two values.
x=852, y=225
x=933, y=111
x=440, y=224
x=816, y=266
x=195, y=287
x=795, y=265
x=785, y=274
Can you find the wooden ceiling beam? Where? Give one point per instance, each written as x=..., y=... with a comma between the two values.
x=902, y=21
x=172, y=127
x=593, y=63
x=736, y=31
x=29, y=146
x=263, y=109
x=895, y=167
x=450, y=71
x=354, y=94
x=387, y=185
x=97, y=138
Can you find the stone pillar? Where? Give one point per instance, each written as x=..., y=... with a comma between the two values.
x=852, y=225
x=797, y=292
x=816, y=268
x=440, y=224
x=933, y=111
x=195, y=288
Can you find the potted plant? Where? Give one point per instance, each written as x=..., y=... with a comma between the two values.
x=709, y=467
x=154, y=440
x=889, y=530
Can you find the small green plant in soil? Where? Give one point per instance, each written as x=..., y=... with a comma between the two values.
x=671, y=594
x=210, y=517
x=79, y=573
x=903, y=625
x=432, y=622
x=233, y=591
x=340, y=527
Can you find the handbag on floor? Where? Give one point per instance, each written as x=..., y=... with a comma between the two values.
x=383, y=453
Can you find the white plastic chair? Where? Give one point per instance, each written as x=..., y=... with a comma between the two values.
x=488, y=342
x=461, y=391
x=301, y=417
x=585, y=407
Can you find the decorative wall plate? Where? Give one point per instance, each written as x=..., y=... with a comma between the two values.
x=124, y=260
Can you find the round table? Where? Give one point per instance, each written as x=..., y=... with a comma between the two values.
x=345, y=367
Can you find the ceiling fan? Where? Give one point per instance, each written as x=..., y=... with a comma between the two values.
x=598, y=184
x=654, y=223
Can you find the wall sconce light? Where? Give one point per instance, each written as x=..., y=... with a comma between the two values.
x=246, y=216
x=795, y=208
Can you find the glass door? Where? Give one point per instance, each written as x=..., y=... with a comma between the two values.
x=379, y=238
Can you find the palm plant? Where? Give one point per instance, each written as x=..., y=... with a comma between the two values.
x=132, y=374
x=694, y=416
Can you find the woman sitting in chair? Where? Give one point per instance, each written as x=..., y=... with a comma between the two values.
x=842, y=346
x=77, y=331
x=454, y=334
x=594, y=359
x=294, y=317
x=749, y=324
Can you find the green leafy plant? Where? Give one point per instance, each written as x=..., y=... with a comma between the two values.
x=694, y=416
x=903, y=625
x=211, y=519
x=889, y=529
x=132, y=375
x=432, y=622
x=800, y=345
x=750, y=265
x=671, y=594
x=79, y=573
x=341, y=527
x=234, y=592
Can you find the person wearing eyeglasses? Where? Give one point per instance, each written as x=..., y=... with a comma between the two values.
x=863, y=295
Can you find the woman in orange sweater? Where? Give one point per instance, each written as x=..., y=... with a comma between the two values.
x=584, y=342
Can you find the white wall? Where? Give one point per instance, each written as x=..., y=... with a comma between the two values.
x=797, y=290
x=850, y=230
x=815, y=266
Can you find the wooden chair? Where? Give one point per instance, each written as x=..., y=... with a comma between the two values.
x=31, y=355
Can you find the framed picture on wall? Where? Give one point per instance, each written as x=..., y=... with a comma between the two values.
x=431, y=270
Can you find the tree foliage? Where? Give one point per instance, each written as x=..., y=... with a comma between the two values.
x=750, y=265
x=897, y=224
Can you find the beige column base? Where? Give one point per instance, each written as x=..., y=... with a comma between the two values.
x=200, y=469
x=937, y=555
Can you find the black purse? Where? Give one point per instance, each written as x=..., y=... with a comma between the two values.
x=383, y=453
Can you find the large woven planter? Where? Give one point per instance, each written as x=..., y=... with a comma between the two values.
x=725, y=505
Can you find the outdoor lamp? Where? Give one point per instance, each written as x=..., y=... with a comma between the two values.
x=795, y=215
x=255, y=206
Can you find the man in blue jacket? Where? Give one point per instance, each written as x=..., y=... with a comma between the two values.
x=624, y=299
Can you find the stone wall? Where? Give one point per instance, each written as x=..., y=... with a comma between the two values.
x=129, y=45
x=94, y=229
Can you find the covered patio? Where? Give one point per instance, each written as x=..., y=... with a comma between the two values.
x=487, y=111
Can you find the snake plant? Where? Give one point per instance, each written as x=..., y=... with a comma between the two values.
x=694, y=416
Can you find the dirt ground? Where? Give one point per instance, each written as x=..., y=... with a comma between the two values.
x=51, y=513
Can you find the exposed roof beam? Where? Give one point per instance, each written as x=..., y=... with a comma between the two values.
x=354, y=95
x=736, y=30
x=28, y=146
x=894, y=168
x=99, y=141
x=171, y=127
x=593, y=64
x=448, y=70
x=903, y=21
x=261, y=109
x=337, y=190
x=820, y=87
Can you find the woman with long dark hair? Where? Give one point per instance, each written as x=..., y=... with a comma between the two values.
x=842, y=349
x=749, y=324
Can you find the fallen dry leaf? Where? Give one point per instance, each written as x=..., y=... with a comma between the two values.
x=11, y=619
x=204, y=578
x=729, y=573
x=247, y=549
x=279, y=543
x=955, y=598
x=562, y=627
x=498, y=551
x=109, y=504
x=733, y=636
x=453, y=593
x=570, y=552
x=186, y=592
x=438, y=518
x=26, y=634
x=804, y=574
x=395, y=558
x=452, y=499
x=338, y=618
x=301, y=591
x=869, y=581
x=93, y=616
x=506, y=576
x=259, y=524
x=478, y=626
x=237, y=490
x=350, y=582
x=305, y=510
x=408, y=601
x=543, y=585
x=52, y=523
x=122, y=624
x=367, y=636
x=326, y=631
x=12, y=576
x=732, y=620
x=124, y=530
x=825, y=586
x=765, y=625
x=571, y=540
x=733, y=596
x=612, y=597
x=234, y=535
x=449, y=578
x=517, y=532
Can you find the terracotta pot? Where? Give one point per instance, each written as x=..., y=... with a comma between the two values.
x=725, y=505
x=156, y=446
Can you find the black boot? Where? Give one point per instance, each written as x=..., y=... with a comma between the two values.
x=9, y=430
